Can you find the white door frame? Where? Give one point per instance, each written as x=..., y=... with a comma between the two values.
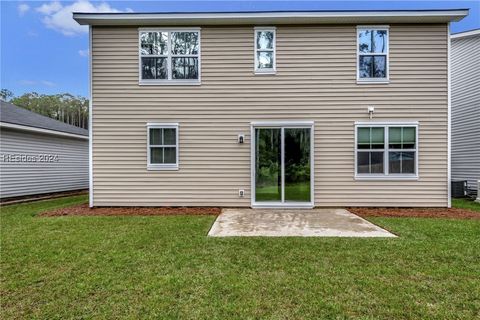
x=281, y=125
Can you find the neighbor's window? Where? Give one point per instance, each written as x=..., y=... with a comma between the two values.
x=386, y=150
x=162, y=146
x=372, y=53
x=265, y=50
x=169, y=56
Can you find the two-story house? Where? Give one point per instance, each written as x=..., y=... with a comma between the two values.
x=270, y=109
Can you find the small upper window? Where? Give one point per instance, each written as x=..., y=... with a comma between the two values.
x=372, y=53
x=162, y=146
x=169, y=56
x=265, y=50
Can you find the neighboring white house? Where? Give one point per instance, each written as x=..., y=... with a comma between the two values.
x=465, y=69
x=39, y=154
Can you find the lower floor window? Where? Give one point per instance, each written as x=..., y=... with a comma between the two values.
x=370, y=162
x=162, y=146
x=401, y=162
x=386, y=150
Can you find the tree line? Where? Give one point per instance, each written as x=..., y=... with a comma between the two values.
x=63, y=107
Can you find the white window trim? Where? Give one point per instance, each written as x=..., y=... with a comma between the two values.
x=162, y=166
x=282, y=125
x=265, y=71
x=386, y=149
x=170, y=81
x=385, y=80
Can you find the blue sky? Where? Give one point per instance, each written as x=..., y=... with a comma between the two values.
x=44, y=50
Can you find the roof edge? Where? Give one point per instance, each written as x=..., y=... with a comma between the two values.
x=464, y=34
x=273, y=11
x=10, y=125
x=130, y=18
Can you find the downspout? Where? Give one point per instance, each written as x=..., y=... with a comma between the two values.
x=90, y=122
x=449, y=120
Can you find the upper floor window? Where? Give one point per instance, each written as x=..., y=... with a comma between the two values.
x=169, y=56
x=372, y=54
x=386, y=150
x=265, y=50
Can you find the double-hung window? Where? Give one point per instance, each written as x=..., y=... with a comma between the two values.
x=370, y=150
x=265, y=57
x=386, y=150
x=162, y=150
x=169, y=57
x=372, y=54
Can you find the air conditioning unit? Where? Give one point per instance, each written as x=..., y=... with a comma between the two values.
x=459, y=189
x=478, y=191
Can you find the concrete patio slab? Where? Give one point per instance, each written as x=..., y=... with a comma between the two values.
x=293, y=223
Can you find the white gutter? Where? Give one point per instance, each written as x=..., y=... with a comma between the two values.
x=41, y=130
x=292, y=17
x=465, y=34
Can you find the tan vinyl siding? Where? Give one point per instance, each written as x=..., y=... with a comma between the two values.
x=315, y=81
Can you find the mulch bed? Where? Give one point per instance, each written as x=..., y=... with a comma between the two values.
x=454, y=213
x=84, y=210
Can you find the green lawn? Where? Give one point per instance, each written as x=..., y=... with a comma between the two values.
x=166, y=268
x=466, y=204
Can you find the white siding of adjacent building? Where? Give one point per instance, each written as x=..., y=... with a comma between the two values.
x=466, y=109
x=29, y=178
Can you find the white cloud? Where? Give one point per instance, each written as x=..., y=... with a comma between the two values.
x=59, y=17
x=27, y=82
x=49, y=8
x=48, y=83
x=34, y=83
x=84, y=53
x=23, y=8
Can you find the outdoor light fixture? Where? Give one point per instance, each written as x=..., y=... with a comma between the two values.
x=241, y=138
x=370, y=111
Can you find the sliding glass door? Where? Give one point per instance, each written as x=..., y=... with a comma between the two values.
x=282, y=165
x=297, y=164
x=268, y=165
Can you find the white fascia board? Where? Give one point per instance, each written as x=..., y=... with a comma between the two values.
x=465, y=34
x=41, y=130
x=265, y=18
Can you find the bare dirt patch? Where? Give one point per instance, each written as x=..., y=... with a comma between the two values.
x=84, y=210
x=453, y=213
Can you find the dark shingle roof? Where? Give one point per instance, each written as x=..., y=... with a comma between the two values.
x=12, y=114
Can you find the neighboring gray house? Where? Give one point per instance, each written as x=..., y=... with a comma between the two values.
x=39, y=154
x=465, y=64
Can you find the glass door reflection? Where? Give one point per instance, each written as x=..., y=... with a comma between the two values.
x=283, y=165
